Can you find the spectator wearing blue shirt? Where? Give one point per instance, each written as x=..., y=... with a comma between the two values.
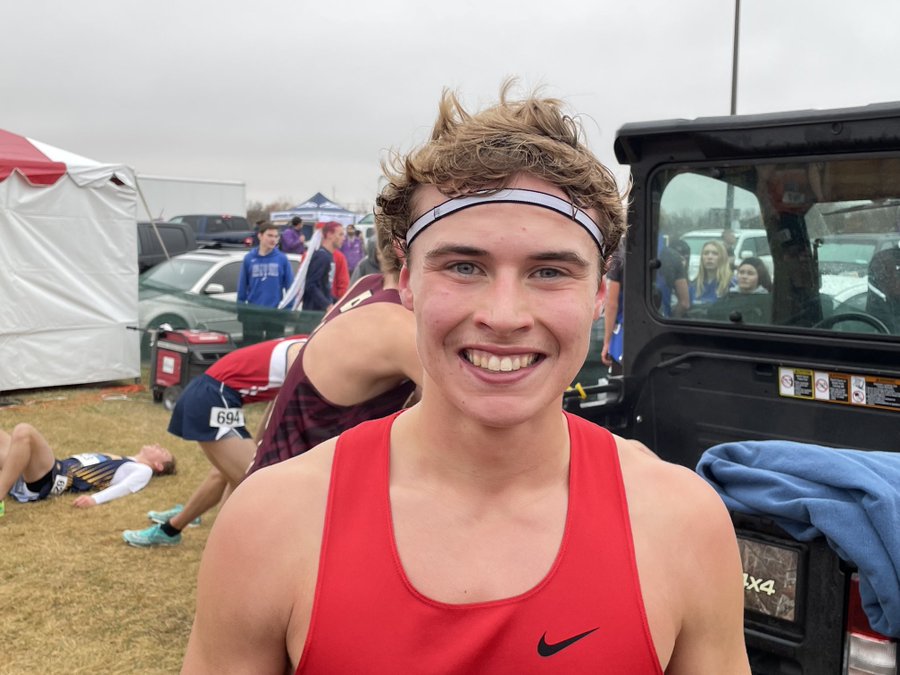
x=715, y=277
x=265, y=275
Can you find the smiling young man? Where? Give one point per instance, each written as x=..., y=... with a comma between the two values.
x=482, y=530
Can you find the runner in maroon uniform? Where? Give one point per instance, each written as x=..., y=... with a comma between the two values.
x=481, y=530
x=305, y=415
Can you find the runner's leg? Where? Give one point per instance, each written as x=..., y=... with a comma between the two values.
x=232, y=456
x=206, y=496
x=28, y=455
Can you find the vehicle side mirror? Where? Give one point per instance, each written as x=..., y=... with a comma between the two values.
x=212, y=289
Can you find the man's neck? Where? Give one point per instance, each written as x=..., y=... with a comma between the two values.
x=447, y=449
x=328, y=245
x=265, y=251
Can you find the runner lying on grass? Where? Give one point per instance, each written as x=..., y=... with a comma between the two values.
x=26, y=454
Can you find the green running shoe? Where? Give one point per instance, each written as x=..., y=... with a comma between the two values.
x=152, y=536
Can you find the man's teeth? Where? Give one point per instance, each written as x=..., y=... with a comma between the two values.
x=499, y=363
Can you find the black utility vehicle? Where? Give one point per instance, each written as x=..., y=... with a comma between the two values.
x=816, y=360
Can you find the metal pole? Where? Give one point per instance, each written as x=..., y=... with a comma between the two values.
x=734, y=58
x=729, y=191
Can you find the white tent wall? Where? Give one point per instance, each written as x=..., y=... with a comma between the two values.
x=68, y=283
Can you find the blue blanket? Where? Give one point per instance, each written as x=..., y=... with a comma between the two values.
x=850, y=497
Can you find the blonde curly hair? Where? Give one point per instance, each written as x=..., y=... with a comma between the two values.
x=485, y=150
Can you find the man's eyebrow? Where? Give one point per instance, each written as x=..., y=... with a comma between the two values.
x=455, y=249
x=561, y=256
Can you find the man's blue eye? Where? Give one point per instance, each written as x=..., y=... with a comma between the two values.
x=465, y=268
x=548, y=273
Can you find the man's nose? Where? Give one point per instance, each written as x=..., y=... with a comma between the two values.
x=504, y=306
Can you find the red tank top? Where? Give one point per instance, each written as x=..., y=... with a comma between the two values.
x=586, y=616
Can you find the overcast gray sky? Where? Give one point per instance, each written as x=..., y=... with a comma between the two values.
x=298, y=97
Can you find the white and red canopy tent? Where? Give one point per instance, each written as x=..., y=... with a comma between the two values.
x=68, y=268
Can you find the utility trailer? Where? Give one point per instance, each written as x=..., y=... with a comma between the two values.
x=815, y=360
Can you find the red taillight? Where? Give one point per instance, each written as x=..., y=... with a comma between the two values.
x=856, y=617
x=868, y=652
x=248, y=242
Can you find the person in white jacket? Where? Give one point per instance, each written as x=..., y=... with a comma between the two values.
x=30, y=471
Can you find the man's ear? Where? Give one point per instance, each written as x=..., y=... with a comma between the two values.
x=599, y=298
x=406, y=295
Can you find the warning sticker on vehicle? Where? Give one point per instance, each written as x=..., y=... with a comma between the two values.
x=857, y=390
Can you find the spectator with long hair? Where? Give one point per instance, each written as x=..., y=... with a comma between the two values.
x=715, y=276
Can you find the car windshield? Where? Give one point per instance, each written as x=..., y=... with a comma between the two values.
x=177, y=273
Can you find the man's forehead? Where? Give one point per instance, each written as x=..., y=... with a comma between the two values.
x=428, y=196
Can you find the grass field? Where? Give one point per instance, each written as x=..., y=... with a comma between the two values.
x=74, y=598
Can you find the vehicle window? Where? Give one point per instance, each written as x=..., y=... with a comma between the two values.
x=753, y=246
x=216, y=224
x=815, y=246
x=228, y=276
x=193, y=221
x=176, y=273
x=236, y=224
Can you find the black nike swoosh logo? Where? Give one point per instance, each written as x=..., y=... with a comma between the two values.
x=549, y=650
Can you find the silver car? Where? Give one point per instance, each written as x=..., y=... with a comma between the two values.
x=194, y=290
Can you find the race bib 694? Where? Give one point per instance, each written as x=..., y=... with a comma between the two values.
x=226, y=417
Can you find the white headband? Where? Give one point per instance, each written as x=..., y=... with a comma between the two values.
x=507, y=196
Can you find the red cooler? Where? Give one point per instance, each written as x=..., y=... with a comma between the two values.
x=177, y=356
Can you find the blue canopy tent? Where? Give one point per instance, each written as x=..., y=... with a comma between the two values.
x=316, y=209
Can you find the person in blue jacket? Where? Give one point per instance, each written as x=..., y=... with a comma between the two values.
x=317, y=294
x=265, y=275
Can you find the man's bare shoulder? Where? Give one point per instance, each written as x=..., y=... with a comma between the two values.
x=297, y=482
x=384, y=311
x=674, y=498
x=360, y=326
x=682, y=530
x=268, y=536
x=288, y=498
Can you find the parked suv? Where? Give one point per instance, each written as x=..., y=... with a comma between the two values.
x=177, y=238
x=220, y=230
